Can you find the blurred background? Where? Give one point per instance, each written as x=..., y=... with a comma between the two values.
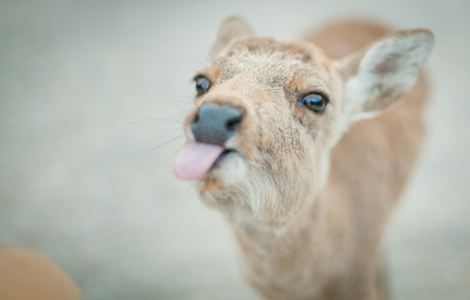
x=92, y=94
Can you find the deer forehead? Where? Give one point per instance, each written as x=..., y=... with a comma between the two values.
x=286, y=65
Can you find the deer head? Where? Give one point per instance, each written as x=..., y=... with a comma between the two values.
x=268, y=113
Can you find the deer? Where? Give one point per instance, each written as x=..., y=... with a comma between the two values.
x=305, y=147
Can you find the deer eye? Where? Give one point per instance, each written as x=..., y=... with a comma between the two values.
x=315, y=102
x=202, y=84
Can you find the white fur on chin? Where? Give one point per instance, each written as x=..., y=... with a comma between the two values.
x=231, y=169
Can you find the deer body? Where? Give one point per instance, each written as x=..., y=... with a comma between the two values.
x=308, y=213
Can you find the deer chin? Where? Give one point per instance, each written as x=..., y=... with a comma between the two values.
x=228, y=170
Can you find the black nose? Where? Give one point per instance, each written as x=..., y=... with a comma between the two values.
x=215, y=124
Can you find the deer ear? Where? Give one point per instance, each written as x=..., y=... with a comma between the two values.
x=376, y=78
x=231, y=28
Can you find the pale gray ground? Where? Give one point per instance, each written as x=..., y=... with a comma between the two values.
x=83, y=180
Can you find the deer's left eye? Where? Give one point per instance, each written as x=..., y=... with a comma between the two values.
x=315, y=102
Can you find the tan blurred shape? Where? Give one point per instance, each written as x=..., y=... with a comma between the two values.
x=27, y=275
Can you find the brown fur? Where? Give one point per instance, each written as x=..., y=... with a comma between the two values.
x=310, y=210
x=26, y=275
x=357, y=204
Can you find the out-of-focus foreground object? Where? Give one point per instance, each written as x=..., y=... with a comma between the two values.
x=27, y=275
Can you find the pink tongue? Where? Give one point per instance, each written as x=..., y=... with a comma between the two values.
x=195, y=160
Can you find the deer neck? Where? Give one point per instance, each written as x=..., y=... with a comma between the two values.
x=299, y=256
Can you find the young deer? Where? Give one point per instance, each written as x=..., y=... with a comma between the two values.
x=275, y=143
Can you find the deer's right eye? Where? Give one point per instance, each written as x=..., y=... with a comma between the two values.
x=202, y=84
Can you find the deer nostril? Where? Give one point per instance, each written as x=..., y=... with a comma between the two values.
x=233, y=123
x=196, y=118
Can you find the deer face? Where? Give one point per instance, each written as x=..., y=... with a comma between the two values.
x=267, y=115
x=272, y=111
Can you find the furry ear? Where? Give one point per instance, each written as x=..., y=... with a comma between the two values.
x=379, y=76
x=231, y=28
